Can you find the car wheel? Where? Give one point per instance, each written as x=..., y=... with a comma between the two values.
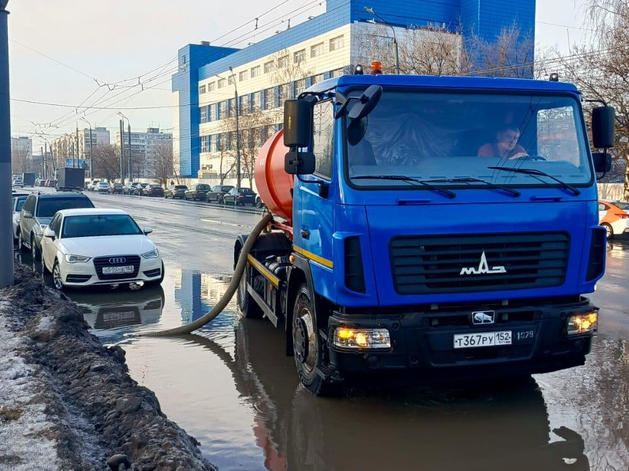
x=20, y=243
x=609, y=230
x=308, y=346
x=34, y=250
x=248, y=307
x=57, y=281
x=158, y=281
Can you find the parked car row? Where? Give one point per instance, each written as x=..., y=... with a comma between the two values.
x=81, y=245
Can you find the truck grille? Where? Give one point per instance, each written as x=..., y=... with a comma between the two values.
x=117, y=261
x=447, y=264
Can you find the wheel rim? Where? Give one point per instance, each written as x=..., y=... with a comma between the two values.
x=242, y=289
x=304, y=337
x=608, y=229
x=56, y=276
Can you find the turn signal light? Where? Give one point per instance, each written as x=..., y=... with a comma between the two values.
x=346, y=337
x=583, y=323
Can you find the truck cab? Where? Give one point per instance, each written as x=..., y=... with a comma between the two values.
x=446, y=226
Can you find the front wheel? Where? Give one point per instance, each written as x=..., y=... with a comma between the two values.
x=609, y=229
x=308, y=346
x=57, y=280
x=20, y=243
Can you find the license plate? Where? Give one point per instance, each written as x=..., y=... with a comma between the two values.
x=483, y=339
x=117, y=270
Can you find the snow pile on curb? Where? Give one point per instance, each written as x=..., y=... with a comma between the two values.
x=67, y=402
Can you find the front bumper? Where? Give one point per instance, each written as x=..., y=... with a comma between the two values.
x=84, y=274
x=423, y=342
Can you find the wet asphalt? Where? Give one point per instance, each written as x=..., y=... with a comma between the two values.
x=233, y=389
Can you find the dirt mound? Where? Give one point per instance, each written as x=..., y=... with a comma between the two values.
x=80, y=396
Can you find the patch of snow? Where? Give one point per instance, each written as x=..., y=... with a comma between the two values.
x=24, y=425
x=45, y=324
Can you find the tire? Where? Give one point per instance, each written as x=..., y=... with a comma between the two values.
x=34, y=251
x=308, y=345
x=57, y=282
x=156, y=282
x=248, y=307
x=609, y=229
x=20, y=243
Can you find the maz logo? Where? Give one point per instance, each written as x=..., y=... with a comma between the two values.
x=483, y=268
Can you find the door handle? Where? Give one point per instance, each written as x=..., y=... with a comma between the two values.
x=305, y=233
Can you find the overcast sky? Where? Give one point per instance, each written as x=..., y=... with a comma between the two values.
x=110, y=43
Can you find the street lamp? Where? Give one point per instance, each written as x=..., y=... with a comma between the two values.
x=233, y=80
x=129, y=147
x=385, y=22
x=91, y=160
x=6, y=236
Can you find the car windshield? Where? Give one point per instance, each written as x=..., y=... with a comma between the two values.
x=181, y=187
x=49, y=206
x=447, y=136
x=98, y=225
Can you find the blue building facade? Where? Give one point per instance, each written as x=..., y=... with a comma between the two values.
x=484, y=19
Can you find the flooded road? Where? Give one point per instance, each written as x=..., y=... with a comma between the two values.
x=232, y=388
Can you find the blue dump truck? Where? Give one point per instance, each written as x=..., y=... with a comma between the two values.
x=444, y=228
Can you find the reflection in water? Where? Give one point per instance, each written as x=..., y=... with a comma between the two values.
x=108, y=309
x=420, y=429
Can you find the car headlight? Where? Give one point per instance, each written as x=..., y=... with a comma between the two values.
x=70, y=258
x=582, y=323
x=152, y=254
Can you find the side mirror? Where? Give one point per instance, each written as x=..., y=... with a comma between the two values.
x=27, y=215
x=366, y=103
x=147, y=230
x=48, y=232
x=299, y=163
x=298, y=123
x=603, y=126
x=602, y=162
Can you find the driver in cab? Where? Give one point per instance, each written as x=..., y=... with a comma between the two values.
x=505, y=146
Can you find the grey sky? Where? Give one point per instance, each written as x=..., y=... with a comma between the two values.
x=110, y=41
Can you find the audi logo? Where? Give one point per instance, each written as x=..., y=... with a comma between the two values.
x=117, y=260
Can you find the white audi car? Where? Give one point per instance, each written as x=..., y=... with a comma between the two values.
x=95, y=246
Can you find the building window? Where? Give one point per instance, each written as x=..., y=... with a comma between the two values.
x=282, y=62
x=268, y=67
x=222, y=110
x=299, y=56
x=255, y=71
x=255, y=101
x=232, y=107
x=202, y=89
x=337, y=72
x=269, y=98
x=203, y=114
x=336, y=43
x=316, y=50
x=317, y=78
x=222, y=83
x=228, y=140
x=211, y=87
x=205, y=144
x=300, y=86
x=244, y=75
x=209, y=113
x=284, y=93
x=244, y=104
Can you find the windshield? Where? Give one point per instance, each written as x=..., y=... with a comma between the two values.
x=49, y=206
x=99, y=225
x=446, y=136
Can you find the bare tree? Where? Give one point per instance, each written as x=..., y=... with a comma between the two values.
x=106, y=162
x=601, y=70
x=19, y=157
x=164, y=162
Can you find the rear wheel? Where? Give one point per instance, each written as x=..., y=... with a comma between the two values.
x=248, y=307
x=609, y=229
x=308, y=345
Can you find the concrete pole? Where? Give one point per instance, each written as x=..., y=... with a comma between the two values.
x=130, y=157
x=122, y=152
x=238, y=175
x=78, y=156
x=6, y=237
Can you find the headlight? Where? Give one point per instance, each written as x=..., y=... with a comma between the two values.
x=77, y=258
x=346, y=337
x=583, y=323
x=152, y=254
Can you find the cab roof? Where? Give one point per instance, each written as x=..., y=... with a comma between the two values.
x=445, y=82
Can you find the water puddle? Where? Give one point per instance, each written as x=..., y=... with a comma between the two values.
x=231, y=387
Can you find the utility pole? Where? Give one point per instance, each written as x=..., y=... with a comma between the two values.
x=130, y=157
x=122, y=151
x=6, y=215
x=395, y=45
x=91, y=160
